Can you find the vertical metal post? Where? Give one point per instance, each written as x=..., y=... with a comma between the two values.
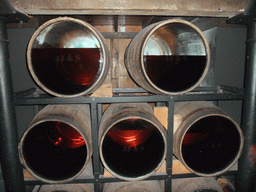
x=168, y=182
x=95, y=145
x=247, y=163
x=11, y=168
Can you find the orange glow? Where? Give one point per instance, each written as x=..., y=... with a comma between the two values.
x=192, y=138
x=129, y=138
x=78, y=65
x=65, y=136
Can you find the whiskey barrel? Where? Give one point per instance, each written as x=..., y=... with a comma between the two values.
x=202, y=184
x=68, y=57
x=135, y=186
x=64, y=188
x=206, y=140
x=168, y=57
x=132, y=142
x=56, y=147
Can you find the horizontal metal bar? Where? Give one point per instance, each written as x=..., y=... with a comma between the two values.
x=165, y=98
x=95, y=180
x=210, y=97
x=141, y=90
x=128, y=99
x=160, y=176
x=44, y=99
x=79, y=180
x=188, y=175
x=115, y=179
x=127, y=90
x=133, y=99
x=220, y=88
x=58, y=100
x=51, y=100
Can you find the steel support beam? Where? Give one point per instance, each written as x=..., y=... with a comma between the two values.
x=11, y=168
x=247, y=162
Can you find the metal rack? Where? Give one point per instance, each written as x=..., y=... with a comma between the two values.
x=12, y=170
x=220, y=93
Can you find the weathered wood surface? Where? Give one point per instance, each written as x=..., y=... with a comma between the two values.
x=213, y=8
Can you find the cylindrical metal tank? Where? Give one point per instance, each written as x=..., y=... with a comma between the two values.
x=195, y=185
x=64, y=188
x=56, y=147
x=206, y=140
x=168, y=57
x=135, y=186
x=68, y=57
x=132, y=142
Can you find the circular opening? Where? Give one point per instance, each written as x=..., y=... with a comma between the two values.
x=66, y=57
x=211, y=144
x=133, y=148
x=54, y=151
x=175, y=57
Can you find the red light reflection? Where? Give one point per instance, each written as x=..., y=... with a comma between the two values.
x=129, y=137
x=65, y=136
x=192, y=138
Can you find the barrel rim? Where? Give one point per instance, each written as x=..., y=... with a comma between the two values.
x=131, y=178
x=202, y=183
x=239, y=152
x=97, y=34
x=145, y=185
x=84, y=187
x=205, y=42
x=35, y=174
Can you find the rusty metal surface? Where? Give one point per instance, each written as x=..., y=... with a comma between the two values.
x=219, y=8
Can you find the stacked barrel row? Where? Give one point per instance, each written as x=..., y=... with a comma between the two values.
x=179, y=185
x=68, y=57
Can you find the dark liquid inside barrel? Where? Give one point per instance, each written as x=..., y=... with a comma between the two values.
x=48, y=158
x=66, y=70
x=211, y=144
x=133, y=148
x=174, y=73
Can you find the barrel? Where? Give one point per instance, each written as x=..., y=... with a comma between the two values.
x=206, y=140
x=56, y=147
x=135, y=186
x=202, y=184
x=68, y=57
x=168, y=57
x=64, y=188
x=132, y=142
